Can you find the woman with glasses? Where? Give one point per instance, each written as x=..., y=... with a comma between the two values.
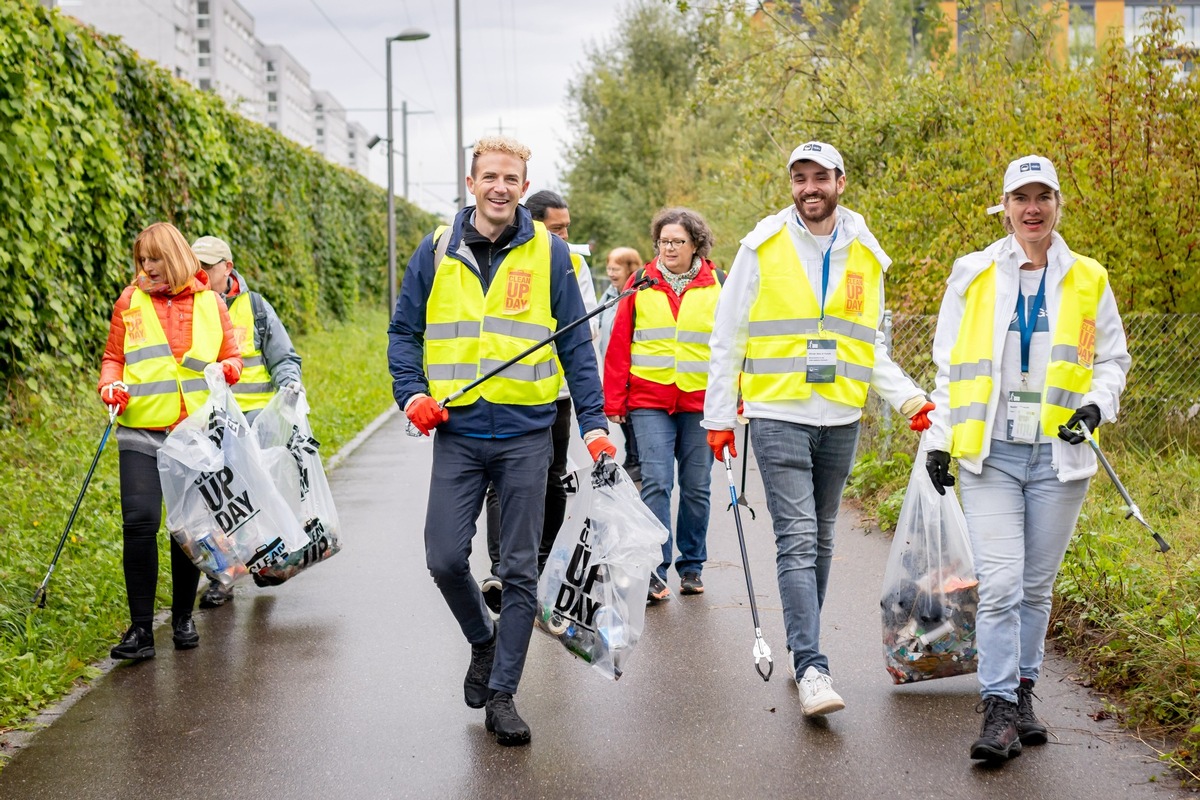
x=655, y=375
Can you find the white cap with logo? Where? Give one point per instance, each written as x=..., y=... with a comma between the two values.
x=824, y=154
x=1030, y=169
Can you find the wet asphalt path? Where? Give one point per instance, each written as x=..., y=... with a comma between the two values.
x=347, y=682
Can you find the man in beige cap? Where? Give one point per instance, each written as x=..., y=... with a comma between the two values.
x=797, y=329
x=269, y=362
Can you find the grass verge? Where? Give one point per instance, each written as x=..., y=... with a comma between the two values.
x=1129, y=615
x=44, y=456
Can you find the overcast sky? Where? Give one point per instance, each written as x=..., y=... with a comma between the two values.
x=517, y=58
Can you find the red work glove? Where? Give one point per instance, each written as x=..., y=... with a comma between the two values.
x=115, y=394
x=718, y=441
x=426, y=414
x=232, y=372
x=920, y=420
x=601, y=445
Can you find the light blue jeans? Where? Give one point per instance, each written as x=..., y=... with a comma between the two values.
x=664, y=439
x=1020, y=517
x=804, y=470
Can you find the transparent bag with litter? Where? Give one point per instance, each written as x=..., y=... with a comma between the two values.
x=930, y=593
x=292, y=458
x=223, y=507
x=592, y=593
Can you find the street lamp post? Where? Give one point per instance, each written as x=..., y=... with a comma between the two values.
x=407, y=35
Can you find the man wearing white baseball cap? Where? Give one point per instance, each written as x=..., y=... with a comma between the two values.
x=797, y=329
x=1029, y=348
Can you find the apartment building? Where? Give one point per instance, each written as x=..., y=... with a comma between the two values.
x=212, y=44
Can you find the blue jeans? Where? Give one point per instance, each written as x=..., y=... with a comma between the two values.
x=804, y=470
x=462, y=468
x=664, y=439
x=1020, y=517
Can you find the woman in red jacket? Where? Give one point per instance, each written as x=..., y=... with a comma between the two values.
x=166, y=327
x=655, y=374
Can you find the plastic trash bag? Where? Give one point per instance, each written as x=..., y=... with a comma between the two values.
x=222, y=506
x=930, y=594
x=592, y=593
x=291, y=456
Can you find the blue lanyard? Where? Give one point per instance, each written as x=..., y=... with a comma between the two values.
x=825, y=272
x=1026, y=323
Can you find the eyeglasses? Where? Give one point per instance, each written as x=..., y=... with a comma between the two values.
x=673, y=244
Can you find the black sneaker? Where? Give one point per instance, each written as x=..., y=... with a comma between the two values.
x=492, y=590
x=503, y=720
x=216, y=595
x=659, y=591
x=1029, y=727
x=690, y=583
x=475, y=685
x=184, y=633
x=137, y=643
x=998, y=739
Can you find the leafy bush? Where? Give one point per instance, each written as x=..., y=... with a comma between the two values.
x=95, y=144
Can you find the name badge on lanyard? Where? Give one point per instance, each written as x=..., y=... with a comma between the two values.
x=821, y=363
x=1024, y=414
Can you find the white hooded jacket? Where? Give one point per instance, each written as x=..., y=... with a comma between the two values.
x=1110, y=365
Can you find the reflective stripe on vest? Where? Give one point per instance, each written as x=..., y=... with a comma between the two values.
x=1068, y=372
x=155, y=379
x=254, y=389
x=787, y=313
x=468, y=333
x=666, y=350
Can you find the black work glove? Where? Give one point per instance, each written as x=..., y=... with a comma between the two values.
x=937, y=464
x=1086, y=415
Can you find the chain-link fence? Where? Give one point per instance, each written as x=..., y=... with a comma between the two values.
x=1160, y=407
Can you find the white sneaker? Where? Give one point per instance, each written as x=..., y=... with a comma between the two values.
x=817, y=696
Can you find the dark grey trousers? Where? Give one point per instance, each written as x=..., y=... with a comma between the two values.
x=462, y=468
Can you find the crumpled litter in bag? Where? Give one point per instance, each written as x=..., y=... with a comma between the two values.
x=592, y=593
x=930, y=594
x=222, y=507
x=291, y=456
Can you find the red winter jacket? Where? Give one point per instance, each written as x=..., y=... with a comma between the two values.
x=624, y=391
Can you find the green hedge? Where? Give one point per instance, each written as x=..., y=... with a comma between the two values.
x=95, y=144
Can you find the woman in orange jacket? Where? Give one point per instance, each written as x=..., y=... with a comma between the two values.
x=166, y=326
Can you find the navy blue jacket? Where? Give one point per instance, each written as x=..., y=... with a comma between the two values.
x=406, y=340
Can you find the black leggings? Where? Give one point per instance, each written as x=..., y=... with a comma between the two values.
x=141, y=509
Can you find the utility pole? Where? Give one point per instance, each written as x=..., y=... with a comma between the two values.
x=458, y=110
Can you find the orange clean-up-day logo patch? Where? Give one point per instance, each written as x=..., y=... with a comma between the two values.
x=854, y=293
x=517, y=291
x=242, y=333
x=1087, y=343
x=135, y=329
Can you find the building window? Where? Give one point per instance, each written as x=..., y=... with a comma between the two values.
x=202, y=16
x=272, y=102
x=1137, y=24
x=274, y=126
x=204, y=48
x=205, y=85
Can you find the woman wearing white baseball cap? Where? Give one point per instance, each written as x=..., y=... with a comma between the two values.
x=1029, y=345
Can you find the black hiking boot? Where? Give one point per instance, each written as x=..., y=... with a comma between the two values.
x=137, y=644
x=184, y=633
x=998, y=740
x=475, y=685
x=503, y=720
x=1029, y=727
x=216, y=595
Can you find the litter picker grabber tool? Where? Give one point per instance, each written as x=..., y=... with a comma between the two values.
x=643, y=283
x=761, y=650
x=1134, y=511
x=741, y=498
x=39, y=597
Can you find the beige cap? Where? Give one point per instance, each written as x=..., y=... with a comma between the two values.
x=211, y=250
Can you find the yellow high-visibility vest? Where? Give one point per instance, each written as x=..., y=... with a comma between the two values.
x=1068, y=373
x=667, y=350
x=254, y=389
x=787, y=314
x=468, y=333
x=154, y=377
